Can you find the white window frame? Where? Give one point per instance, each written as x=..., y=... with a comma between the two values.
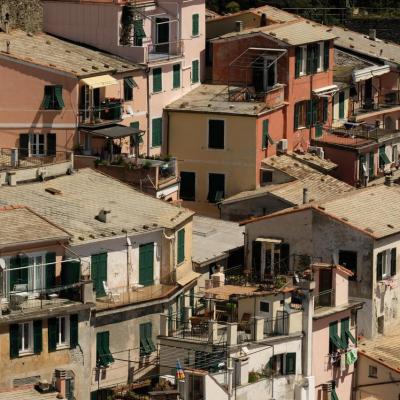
x=386, y=263
x=66, y=343
x=25, y=349
x=321, y=56
x=36, y=271
x=303, y=69
x=34, y=144
x=208, y=133
x=156, y=29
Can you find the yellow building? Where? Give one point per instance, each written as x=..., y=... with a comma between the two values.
x=220, y=144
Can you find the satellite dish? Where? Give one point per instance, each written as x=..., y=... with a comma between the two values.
x=2, y=264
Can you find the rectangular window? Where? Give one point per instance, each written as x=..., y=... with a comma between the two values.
x=345, y=334
x=195, y=71
x=195, y=25
x=326, y=55
x=188, y=186
x=266, y=176
x=372, y=371
x=181, y=246
x=313, y=58
x=264, y=306
x=25, y=338
x=300, y=61
x=216, y=134
x=386, y=264
x=348, y=259
x=25, y=335
x=128, y=88
x=216, y=187
x=63, y=331
x=98, y=264
x=103, y=354
x=290, y=363
x=157, y=80
x=335, y=342
x=156, y=132
x=301, y=115
x=341, y=104
x=176, y=79
x=146, y=340
x=53, y=99
x=37, y=145
x=321, y=54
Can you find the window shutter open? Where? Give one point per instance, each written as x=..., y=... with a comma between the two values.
x=314, y=103
x=47, y=97
x=52, y=333
x=379, y=266
x=59, y=97
x=299, y=61
x=181, y=245
x=146, y=264
x=393, y=261
x=195, y=24
x=73, y=331
x=15, y=340
x=326, y=55
x=70, y=272
x=344, y=327
x=37, y=336
x=24, y=145
x=50, y=270
x=341, y=104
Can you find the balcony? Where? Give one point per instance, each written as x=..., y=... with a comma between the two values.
x=325, y=298
x=108, y=112
x=164, y=51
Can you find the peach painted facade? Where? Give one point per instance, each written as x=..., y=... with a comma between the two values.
x=184, y=45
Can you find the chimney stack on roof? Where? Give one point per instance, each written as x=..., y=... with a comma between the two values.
x=238, y=26
x=103, y=216
x=372, y=34
x=305, y=195
x=263, y=21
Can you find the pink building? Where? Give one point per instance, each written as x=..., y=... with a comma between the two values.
x=52, y=90
x=168, y=38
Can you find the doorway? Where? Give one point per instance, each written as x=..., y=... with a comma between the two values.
x=162, y=35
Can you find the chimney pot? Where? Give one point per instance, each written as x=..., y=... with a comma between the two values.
x=372, y=34
x=305, y=195
x=263, y=20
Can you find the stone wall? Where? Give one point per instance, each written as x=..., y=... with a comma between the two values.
x=23, y=14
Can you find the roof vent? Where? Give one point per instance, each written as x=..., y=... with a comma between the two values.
x=372, y=34
x=103, y=216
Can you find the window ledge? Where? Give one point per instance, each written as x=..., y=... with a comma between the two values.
x=63, y=346
x=26, y=353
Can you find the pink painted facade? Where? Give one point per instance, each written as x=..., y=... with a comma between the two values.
x=171, y=41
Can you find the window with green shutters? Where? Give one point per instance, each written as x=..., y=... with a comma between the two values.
x=188, y=186
x=70, y=272
x=371, y=165
x=195, y=71
x=52, y=333
x=37, y=337
x=345, y=334
x=146, y=340
x=146, y=264
x=25, y=338
x=103, y=354
x=157, y=80
x=216, y=134
x=393, y=262
x=301, y=115
x=195, y=25
x=335, y=341
x=181, y=246
x=176, y=79
x=99, y=273
x=156, y=132
x=128, y=88
x=53, y=99
x=341, y=104
x=379, y=266
x=62, y=332
x=18, y=271
x=313, y=51
x=14, y=340
x=290, y=363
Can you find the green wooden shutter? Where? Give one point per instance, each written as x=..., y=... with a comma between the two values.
x=309, y=58
x=176, y=81
x=341, y=104
x=73, y=331
x=146, y=264
x=181, y=246
x=15, y=340
x=50, y=270
x=299, y=61
x=104, y=356
x=195, y=71
x=334, y=340
x=157, y=80
x=145, y=348
x=195, y=24
x=58, y=96
x=326, y=55
x=99, y=272
x=344, y=327
x=325, y=109
x=48, y=91
x=156, y=132
x=51, y=144
x=296, y=116
x=37, y=336
x=379, y=266
x=290, y=363
x=70, y=272
x=52, y=333
x=24, y=145
x=265, y=135
x=393, y=261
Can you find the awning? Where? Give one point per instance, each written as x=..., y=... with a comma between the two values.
x=269, y=240
x=99, y=81
x=187, y=278
x=326, y=91
x=114, y=131
x=370, y=72
x=384, y=158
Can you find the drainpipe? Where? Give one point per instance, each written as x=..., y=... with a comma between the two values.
x=148, y=109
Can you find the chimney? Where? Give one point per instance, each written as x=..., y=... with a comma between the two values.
x=389, y=180
x=61, y=375
x=372, y=34
x=238, y=26
x=8, y=43
x=263, y=21
x=103, y=216
x=305, y=195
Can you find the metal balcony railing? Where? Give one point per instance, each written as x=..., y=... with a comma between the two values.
x=325, y=298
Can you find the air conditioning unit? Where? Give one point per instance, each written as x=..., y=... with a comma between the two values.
x=319, y=151
x=282, y=146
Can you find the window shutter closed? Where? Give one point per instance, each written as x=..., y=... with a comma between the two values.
x=70, y=272
x=379, y=265
x=24, y=145
x=393, y=261
x=195, y=24
x=181, y=245
x=296, y=116
x=195, y=71
x=47, y=97
x=15, y=340
x=325, y=110
x=290, y=363
x=157, y=80
x=176, y=81
x=299, y=61
x=51, y=144
x=146, y=264
x=73, y=331
x=326, y=55
x=37, y=336
x=156, y=132
x=52, y=333
x=50, y=270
